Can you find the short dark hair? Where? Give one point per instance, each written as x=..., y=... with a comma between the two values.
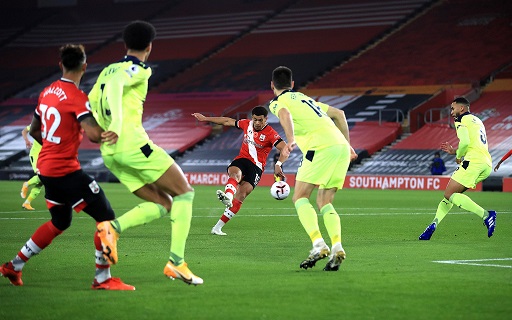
x=137, y=35
x=461, y=100
x=282, y=78
x=72, y=56
x=259, y=111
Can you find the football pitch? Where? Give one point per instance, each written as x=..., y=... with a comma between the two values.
x=253, y=272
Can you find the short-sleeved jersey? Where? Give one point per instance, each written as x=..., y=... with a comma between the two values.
x=256, y=145
x=36, y=147
x=313, y=128
x=60, y=109
x=478, y=147
x=117, y=100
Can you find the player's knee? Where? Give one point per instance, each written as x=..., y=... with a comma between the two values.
x=448, y=195
x=61, y=224
x=187, y=196
x=166, y=202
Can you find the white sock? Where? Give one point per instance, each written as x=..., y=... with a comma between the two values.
x=319, y=243
x=337, y=247
x=18, y=263
x=219, y=225
x=29, y=250
x=102, y=268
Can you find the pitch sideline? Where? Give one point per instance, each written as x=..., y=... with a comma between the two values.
x=475, y=262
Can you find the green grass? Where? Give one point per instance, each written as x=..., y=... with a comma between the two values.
x=253, y=273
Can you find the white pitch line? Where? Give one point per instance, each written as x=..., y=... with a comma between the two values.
x=474, y=262
x=341, y=211
x=269, y=215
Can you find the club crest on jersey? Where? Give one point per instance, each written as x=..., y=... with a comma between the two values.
x=262, y=137
x=95, y=188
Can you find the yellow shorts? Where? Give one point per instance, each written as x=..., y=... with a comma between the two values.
x=326, y=168
x=469, y=174
x=139, y=167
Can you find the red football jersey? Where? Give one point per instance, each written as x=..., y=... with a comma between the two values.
x=59, y=108
x=257, y=144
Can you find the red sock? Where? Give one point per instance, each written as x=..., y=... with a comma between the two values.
x=45, y=234
x=230, y=212
x=231, y=186
x=101, y=263
x=41, y=239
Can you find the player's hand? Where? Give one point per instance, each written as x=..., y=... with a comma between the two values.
x=458, y=161
x=199, y=116
x=353, y=154
x=446, y=147
x=278, y=171
x=288, y=149
x=109, y=137
x=28, y=144
x=497, y=166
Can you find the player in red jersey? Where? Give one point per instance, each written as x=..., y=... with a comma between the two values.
x=60, y=118
x=246, y=169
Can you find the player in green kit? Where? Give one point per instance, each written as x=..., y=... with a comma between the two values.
x=33, y=182
x=321, y=132
x=475, y=165
x=144, y=168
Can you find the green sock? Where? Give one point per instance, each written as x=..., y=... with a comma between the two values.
x=465, y=202
x=34, y=192
x=34, y=180
x=181, y=217
x=332, y=222
x=442, y=210
x=308, y=218
x=141, y=214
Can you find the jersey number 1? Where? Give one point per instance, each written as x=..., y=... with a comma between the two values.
x=313, y=106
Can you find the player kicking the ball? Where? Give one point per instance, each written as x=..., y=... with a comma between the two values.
x=246, y=169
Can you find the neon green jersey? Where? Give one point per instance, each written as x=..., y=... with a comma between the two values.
x=36, y=147
x=117, y=100
x=473, y=145
x=313, y=128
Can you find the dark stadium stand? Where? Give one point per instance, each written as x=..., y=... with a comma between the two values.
x=33, y=52
x=458, y=41
x=392, y=66
x=183, y=38
x=293, y=36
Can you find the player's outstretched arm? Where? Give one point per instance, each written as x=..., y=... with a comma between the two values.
x=24, y=134
x=225, y=121
x=505, y=157
x=447, y=147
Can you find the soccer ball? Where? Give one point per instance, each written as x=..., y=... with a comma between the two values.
x=280, y=190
